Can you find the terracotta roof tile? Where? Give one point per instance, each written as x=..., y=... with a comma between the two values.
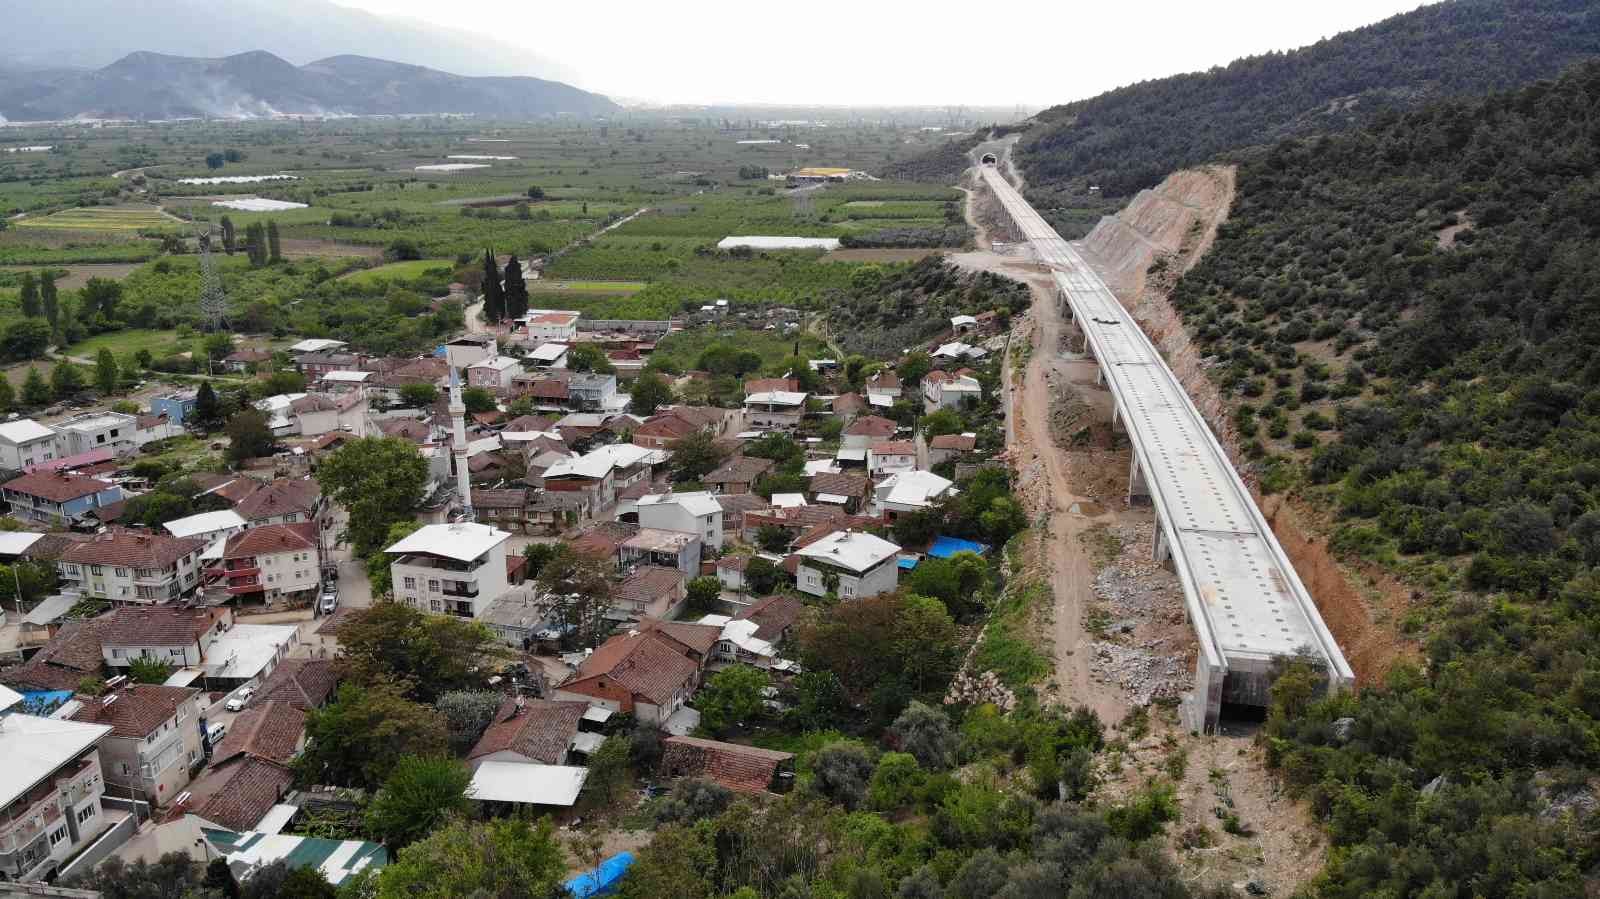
x=157, y=626
x=508, y=498
x=133, y=550
x=57, y=487
x=764, y=385
x=745, y=769
x=303, y=683
x=333, y=623
x=960, y=442
x=270, y=730
x=281, y=497
x=773, y=615
x=271, y=539
x=645, y=664
x=649, y=583
x=698, y=637
x=542, y=730
x=894, y=448
x=887, y=380
x=71, y=655
x=871, y=426
x=134, y=711
x=739, y=470
x=250, y=788
x=840, y=484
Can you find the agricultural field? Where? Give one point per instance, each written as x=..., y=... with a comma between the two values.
x=410, y=270
x=101, y=218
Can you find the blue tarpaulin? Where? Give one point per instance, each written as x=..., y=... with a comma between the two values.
x=907, y=564
x=945, y=547
x=602, y=881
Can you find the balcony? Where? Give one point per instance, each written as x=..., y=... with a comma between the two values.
x=437, y=564
x=250, y=587
x=460, y=588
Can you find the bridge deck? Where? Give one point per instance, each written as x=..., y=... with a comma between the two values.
x=1244, y=598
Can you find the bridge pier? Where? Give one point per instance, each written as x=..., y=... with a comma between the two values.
x=1160, y=552
x=1138, y=488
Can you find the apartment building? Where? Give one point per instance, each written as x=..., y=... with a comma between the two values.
x=25, y=442
x=272, y=562
x=694, y=513
x=114, y=431
x=861, y=564
x=50, y=789
x=133, y=568
x=453, y=569
x=57, y=499
x=155, y=737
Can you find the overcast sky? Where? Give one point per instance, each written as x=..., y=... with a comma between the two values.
x=1036, y=52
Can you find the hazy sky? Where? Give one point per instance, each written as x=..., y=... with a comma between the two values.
x=1036, y=52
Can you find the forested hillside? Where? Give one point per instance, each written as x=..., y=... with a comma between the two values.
x=884, y=313
x=1407, y=318
x=1129, y=139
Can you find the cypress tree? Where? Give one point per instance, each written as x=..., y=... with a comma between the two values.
x=494, y=302
x=8, y=395
x=228, y=236
x=35, y=392
x=47, y=297
x=273, y=251
x=516, y=292
x=207, y=408
x=30, y=295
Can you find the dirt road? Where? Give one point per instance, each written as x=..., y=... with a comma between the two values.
x=1057, y=499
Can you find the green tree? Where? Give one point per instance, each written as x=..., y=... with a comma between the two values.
x=379, y=574
x=507, y=857
x=30, y=296
x=650, y=392
x=379, y=481
x=891, y=638
x=98, y=299
x=418, y=396
x=896, y=782
x=144, y=359
x=35, y=390
x=105, y=372
x=913, y=367
x=925, y=733
x=588, y=357
x=696, y=456
x=207, y=408
x=255, y=239
x=679, y=862
x=940, y=422
x=220, y=877
x=174, y=875
x=274, y=250
x=48, y=300
x=417, y=796
x=761, y=577
x=66, y=380
x=26, y=338
x=731, y=696
x=468, y=713
x=704, y=594
x=577, y=591
x=842, y=772
x=228, y=237
x=8, y=395
x=359, y=738
x=249, y=436
x=478, y=399
x=424, y=654
x=608, y=769
x=279, y=881
x=516, y=290
x=145, y=670
x=215, y=159
x=494, y=301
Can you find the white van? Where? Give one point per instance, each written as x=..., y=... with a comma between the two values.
x=216, y=732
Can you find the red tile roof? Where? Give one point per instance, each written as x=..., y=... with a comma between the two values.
x=542, y=730
x=764, y=385
x=303, y=683
x=604, y=538
x=157, y=626
x=870, y=426
x=248, y=789
x=698, y=637
x=888, y=380
x=840, y=484
x=133, y=550
x=649, y=583
x=56, y=487
x=135, y=711
x=894, y=448
x=271, y=730
x=739, y=470
x=960, y=442
x=73, y=654
x=271, y=539
x=646, y=664
x=745, y=769
x=508, y=498
x=281, y=497
x=772, y=615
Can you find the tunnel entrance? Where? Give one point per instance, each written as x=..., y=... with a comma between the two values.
x=989, y=159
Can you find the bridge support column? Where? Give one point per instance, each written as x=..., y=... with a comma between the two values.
x=1138, y=488
x=1160, y=552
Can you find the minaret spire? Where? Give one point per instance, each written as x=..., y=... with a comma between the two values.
x=458, y=412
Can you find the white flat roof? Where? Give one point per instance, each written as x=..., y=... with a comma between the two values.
x=350, y=377
x=881, y=399
x=245, y=650
x=788, y=500
x=315, y=345
x=464, y=541
x=857, y=551
x=548, y=352
x=699, y=502
x=586, y=742
x=23, y=430
x=15, y=543
x=527, y=783
x=498, y=363
x=957, y=320
x=777, y=398
x=912, y=488
x=50, y=608
x=205, y=523
x=832, y=499
x=35, y=747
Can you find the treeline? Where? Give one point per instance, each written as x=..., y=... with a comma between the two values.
x=1421, y=301
x=942, y=165
x=1129, y=139
x=886, y=310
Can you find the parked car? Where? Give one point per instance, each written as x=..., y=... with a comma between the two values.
x=237, y=701
x=329, y=600
x=216, y=732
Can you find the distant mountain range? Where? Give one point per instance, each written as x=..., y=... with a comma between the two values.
x=146, y=85
x=89, y=34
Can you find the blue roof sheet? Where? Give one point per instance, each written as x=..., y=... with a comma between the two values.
x=602, y=881
x=945, y=547
x=908, y=564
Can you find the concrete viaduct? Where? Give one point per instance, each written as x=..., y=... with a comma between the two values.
x=1243, y=598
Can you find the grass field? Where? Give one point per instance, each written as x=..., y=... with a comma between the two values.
x=101, y=218
x=397, y=271
x=128, y=343
x=606, y=287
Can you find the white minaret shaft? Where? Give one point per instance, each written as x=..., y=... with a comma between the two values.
x=458, y=413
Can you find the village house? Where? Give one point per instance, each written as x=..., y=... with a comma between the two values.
x=58, y=499
x=865, y=431
x=856, y=563
x=530, y=732
x=885, y=385
x=649, y=591
x=114, y=431
x=270, y=729
x=133, y=568
x=851, y=492
x=548, y=326
x=648, y=672
x=910, y=491
x=546, y=355
x=272, y=562
x=315, y=365
x=456, y=569
x=945, y=448
x=743, y=769
x=738, y=474
x=25, y=443
x=179, y=637
x=775, y=409
x=672, y=549
x=494, y=374
x=591, y=392
x=281, y=501
x=945, y=390
x=304, y=684
x=244, y=361
x=695, y=513
x=735, y=505
x=888, y=457
x=154, y=739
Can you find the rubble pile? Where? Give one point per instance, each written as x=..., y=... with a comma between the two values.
x=1147, y=671
x=977, y=688
x=1144, y=601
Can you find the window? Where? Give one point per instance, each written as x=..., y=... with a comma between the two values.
x=57, y=835
x=125, y=768
x=96, y=569
x=116, y=653
x=411, y=583
x=122, y=572
x=433, y=586
x=87, y=812
x=436, y=605
x=175, y=652
x=811, y=580
x=183, y=712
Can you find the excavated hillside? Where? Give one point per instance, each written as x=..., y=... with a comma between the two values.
x=1140, y=252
